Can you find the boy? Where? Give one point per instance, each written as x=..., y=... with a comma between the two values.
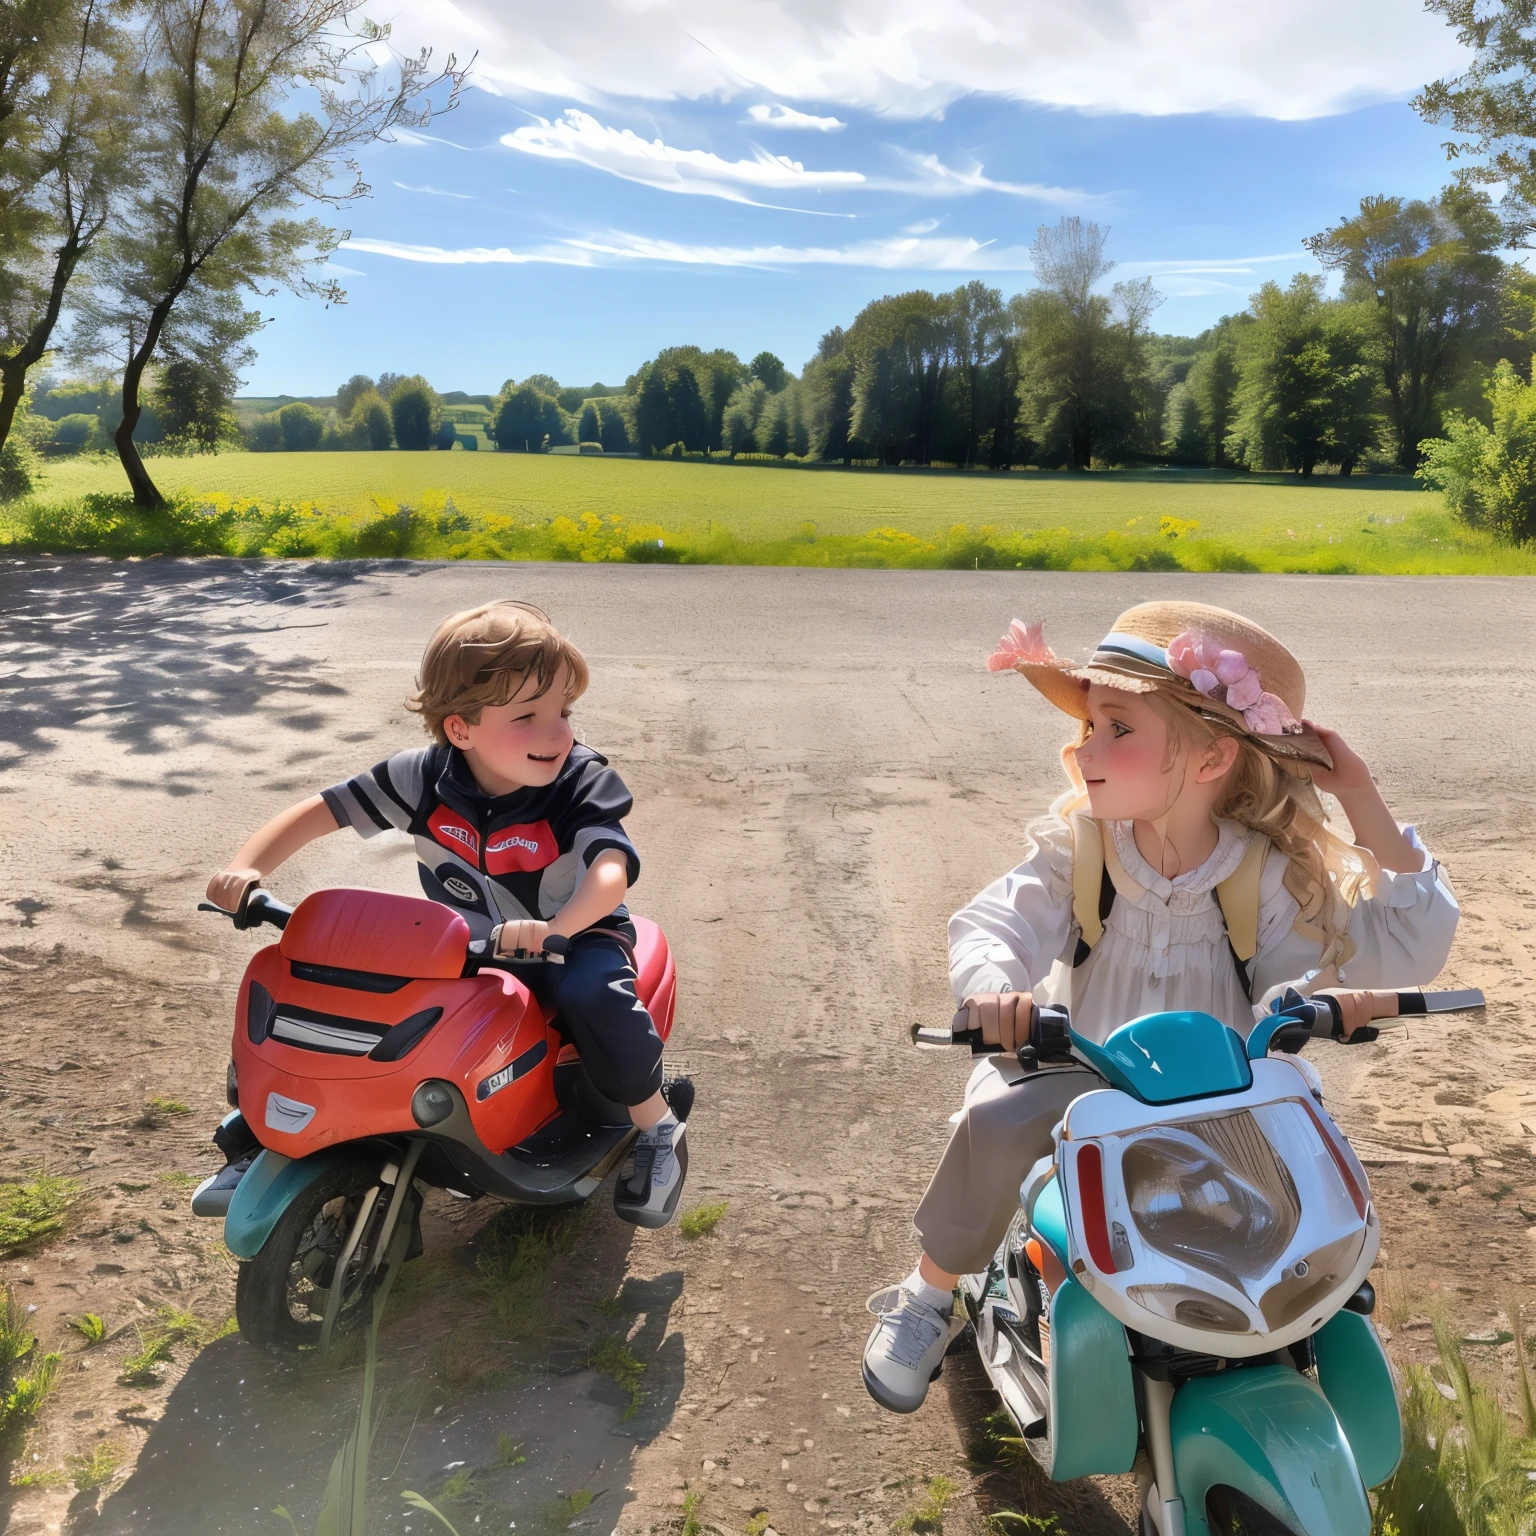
x=519, y=830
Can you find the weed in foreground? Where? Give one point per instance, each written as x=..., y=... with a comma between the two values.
x=702, y=1219
x=516, y=1250
x=94, y=1471
x=33, y=1210
x=90, y=1327
x=178, y=1180
x=1005, y=1522
x=157, y=1109
x=142, y=1367
x=925, y=1516
x=693, y=1517
x=613, y=1357
x=416, y=1501
x=509, y=1452
x=758, y=1523
x=562, y=1512
x=21, y=1396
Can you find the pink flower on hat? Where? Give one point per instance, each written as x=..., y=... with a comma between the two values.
x=1023, y=643
x=1225, y=676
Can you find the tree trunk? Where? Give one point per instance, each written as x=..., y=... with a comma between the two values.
x=13, y=369
x=146, y=493
x=13, y=385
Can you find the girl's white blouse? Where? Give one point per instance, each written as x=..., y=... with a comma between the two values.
x=1167, y=949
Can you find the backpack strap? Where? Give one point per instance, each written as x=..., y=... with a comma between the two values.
x=1093, y=883
x=1237, y=897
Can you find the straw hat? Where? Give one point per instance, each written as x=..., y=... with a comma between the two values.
x=1218, y=663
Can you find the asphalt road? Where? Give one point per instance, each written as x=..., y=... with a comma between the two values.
x=822, y=771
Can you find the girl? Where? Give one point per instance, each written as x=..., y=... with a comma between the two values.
x=1188, y=867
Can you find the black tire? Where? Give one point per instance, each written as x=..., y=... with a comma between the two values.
x=281, y=1294
x=1231, y=1513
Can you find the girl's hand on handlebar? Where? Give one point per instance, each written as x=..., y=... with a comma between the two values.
x=1002, y=1017
x=1357, y=1009
x=521, y=935
x=228, y=888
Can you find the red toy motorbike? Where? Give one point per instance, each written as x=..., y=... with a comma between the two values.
x=376, y=1049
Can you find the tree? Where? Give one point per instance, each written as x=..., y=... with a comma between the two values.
x=589, y=431
x=64, y=158
x=669, y=404
x=447, y=435
x=976, y=318
x=739, y=428
x=524, y=418
x=902, y=349
x=193, y=401
x=1308, y=392
x=1491, y=106
x=226, y=159
x=1184, y=434
x=301, y=425
x=614, y=431
x=1429, y=272
x=544, y=384
x=1488, y=476
x=1083, y=358
x=374, y=428
x=415, y=413
x=769, y=371
x=1212, y=384
x=353, y=391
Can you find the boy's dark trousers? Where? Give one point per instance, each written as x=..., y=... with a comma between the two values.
x=593, y=999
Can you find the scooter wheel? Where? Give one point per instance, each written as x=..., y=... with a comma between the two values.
x=281, y=1294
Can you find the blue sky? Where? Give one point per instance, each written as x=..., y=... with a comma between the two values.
x=748, y=173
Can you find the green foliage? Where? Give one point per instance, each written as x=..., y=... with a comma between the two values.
x=514, y=1252
x=693, y=1514
x=589, y=430
x=769, y=371
x=90, y=1327
x=193, y=399
x=702, y=1219
x=95, y=1470
x=301, y=426
x=18, y=469
x=925, y=1516
x=21, y=1395
x=265, y=434
x=159, y=1104
x=351, y=392
x=413, y=410
x=372, y=423
x=142, y=1367
x=613, y=1357
x=1488, y=476
x=525, y=418
x=34, y=1209
x=416, y=1501
x=72, y=433
x=758, y=1523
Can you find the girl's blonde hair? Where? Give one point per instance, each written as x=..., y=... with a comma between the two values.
x=1276, y=798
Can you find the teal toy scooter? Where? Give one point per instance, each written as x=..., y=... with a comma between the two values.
x=1183, y=1292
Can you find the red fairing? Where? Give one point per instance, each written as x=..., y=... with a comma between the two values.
x=520, y=849
x=371, y=931
x=455, y=833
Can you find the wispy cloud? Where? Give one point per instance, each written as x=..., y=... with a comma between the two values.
x=577, y=135
x=948, y=254
x=776, y=115
x=434, y=191
x=922, y=227
x=930, y=175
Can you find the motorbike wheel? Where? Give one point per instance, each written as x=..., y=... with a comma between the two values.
x=281, y=1294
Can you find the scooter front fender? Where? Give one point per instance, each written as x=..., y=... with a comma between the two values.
x=271, y=1184
x=1270, y=1433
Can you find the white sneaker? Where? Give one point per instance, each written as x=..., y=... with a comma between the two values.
x=906, y=1349
x=652, y=1176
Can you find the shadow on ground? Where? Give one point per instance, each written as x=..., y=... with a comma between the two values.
x=1009, y=1478
x=534, y=1436
x=157, y=653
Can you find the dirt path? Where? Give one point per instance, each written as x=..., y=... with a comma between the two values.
x=822, y=773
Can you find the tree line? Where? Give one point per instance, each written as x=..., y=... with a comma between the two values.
x=155, y=157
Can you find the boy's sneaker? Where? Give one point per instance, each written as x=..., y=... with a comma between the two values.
x=652, y=1176
x=212, y=1197
x=906, y=1348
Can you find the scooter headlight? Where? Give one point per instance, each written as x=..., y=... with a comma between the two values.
x=1194, y=1309
x=431, y=1104
x=1213, y=1195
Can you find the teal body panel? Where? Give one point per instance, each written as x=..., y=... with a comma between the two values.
x=1093, y=1399
x=270, y=1186
x=1270, y=1433
x=1353, y=1372
x=1048, y=1221
x=1165, y=1058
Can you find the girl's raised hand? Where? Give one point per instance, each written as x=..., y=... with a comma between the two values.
x=1348, y=773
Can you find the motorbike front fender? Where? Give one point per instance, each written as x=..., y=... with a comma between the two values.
x=271, y=1184
x=1270, y=1433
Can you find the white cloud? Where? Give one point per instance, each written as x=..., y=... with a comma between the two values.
x=434, y=191
x=932, y=176
x=579, y=136
x=1300, y=59
x=777, y=115
x=922, y=227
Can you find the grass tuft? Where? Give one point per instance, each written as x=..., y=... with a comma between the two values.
x=509, y=1452
x=21, y=1396
x=157, y=1109
x=613, y=1357
x=90, y=1327
x=97, y=1469
x=33, y=1210
x=702, y=1219
x=693, y=1517
x=925, y=1516
x=515, y=1252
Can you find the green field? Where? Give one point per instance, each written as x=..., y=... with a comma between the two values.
x=513, y=505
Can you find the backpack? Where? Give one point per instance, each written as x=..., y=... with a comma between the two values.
x=1097, y=874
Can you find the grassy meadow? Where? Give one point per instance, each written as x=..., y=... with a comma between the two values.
x=487, y=505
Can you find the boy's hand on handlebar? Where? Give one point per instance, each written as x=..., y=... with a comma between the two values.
x=521, y=935
x=1357, y=1009
x=228, y=888
x=1002, y=1017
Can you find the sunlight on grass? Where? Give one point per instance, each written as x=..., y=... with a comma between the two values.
x=702, y=1219
x=33, y=1210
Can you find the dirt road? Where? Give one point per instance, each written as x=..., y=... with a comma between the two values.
x=822, y=772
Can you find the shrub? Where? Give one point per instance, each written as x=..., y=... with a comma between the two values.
x=589, y=430
x=613, y=432
x=21, y=1396
x=302, y=427
x=18, y=469
x=447, y=436
x=524, y=418
x=34, y=1210
x=1488, y=477
x=265, y=434
x=378, y=430
x=71, y=433
x=413, y=409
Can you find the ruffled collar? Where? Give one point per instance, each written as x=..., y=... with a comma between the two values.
x=1232, y=840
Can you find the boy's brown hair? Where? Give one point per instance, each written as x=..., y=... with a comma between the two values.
x=485, y=655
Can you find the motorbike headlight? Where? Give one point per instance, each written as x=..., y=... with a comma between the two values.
x=431, y=1104
x=1192, y=1308
x=1213, y=1195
